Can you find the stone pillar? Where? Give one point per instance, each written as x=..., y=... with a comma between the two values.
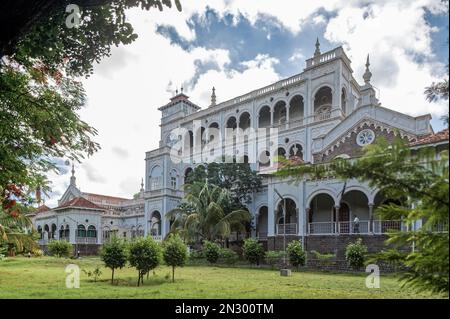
x=271, y=117
x=307, y=221
x=336, y=213
x=370, y=218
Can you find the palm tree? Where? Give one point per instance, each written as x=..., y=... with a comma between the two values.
x=202, y=216
x=15, y=229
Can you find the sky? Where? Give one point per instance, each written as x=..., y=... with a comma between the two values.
x=238, y=46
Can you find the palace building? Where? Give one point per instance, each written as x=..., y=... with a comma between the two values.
x=319, y=114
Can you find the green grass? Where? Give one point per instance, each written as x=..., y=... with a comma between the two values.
x=45, y=278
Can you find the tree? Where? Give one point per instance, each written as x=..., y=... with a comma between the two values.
x=203, y=216
x=296, y=254
x=114, y=255
x=40, y=93
x=144, y=255
x=421, y=176
x=355, y=254
x=253, y=251
x=175, y=253
x=60, y=248
x=238, y=178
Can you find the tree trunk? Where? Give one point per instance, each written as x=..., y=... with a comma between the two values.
x=112, y=276
x=139, y=278
x=173, y=273
x=142, y=278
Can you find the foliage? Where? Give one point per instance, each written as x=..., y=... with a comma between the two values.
x=238, y=178
x=211, y=251
x=355, y=254
x=114, y=255
x=96, y=273
x=253, y=251
x=202, y=217
x=40, y=94
x=37, y=252
x=144, y=255
x=175, y=253
x=228, y=256
x=296, y=254
x=274, y=257
x=59, y=248
x=420, y=176
x=196, y=254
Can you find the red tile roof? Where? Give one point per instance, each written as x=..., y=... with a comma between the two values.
x=79, y=202
x=431, y=138
x=42, y=208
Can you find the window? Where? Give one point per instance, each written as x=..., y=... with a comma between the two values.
x=173, y=182
x=92, y=231
x=365, y=137
x=81, y=231
x=124, y=234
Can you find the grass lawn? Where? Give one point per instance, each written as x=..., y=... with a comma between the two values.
x=45, y=278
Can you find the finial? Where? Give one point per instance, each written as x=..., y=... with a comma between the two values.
x=72, y=178
x=176, y=91
x=367, y=74
x=317, y=52
x=181, y=89
x=142, y=184
x=213, y=96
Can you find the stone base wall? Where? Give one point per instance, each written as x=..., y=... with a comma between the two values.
x=276, y=242
x=84, y=249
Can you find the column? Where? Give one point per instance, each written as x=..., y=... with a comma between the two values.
x=370, y=230
x=307, y=211
x=336, y=213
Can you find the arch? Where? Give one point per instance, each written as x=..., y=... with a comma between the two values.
x=61, y=232
x=325, y=191
x=321, y=210
x=155, y=223
x=286, y=226
x=358, y=202
x=41, y=234
x=67, y=232
x=296, y=150
x=231, y=122
x=53, y=230
x=245, y=120
x=140, y=231
x=296, y=108
x=92, y=231
x=323, y=100
x=264, y=117
x=280, y=113
x=81, y=231
x=187, y=172
x=156, y=177
x=262, y=223
x=213, y=132
x=280, y=152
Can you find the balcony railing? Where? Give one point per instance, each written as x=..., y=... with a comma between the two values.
x=288, y=229
x=362, y=227
x=261, y=235
x=86, y=240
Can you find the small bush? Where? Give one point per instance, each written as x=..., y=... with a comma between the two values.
x=175, y=253
x=211, y=251
x=228, y=256
x=196, y=254
x=96, y=273
x=274, y=257
x=37, y=252
x=296, y=254
x=253, y=251
x=59, y=248
x=355, y=254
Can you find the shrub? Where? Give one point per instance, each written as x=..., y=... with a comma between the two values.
x=296, y=254
x=2, y=257
x=144, y=255
x=355, y=254
x=114, y=255
x=175, y=253
x=211, y=251
x=253, y=251
x=96, y=273
x=228, y=256
x=59, y=248
x=37, y=252
x=196, y=254
x=273, y=257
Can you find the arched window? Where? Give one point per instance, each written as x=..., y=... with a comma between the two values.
x=244, y=121
x=53, y=231
x=323, y=100
x=39, y=229
x=81, y=231
x=155, y=224
x=279, y=113
x=296, y=108
x=61, y=232
x=156, y=178
x=92, y=231
x=187, y=172
x=296, y=150
x=264, y=117
x=67, y=232
x=173, y=179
